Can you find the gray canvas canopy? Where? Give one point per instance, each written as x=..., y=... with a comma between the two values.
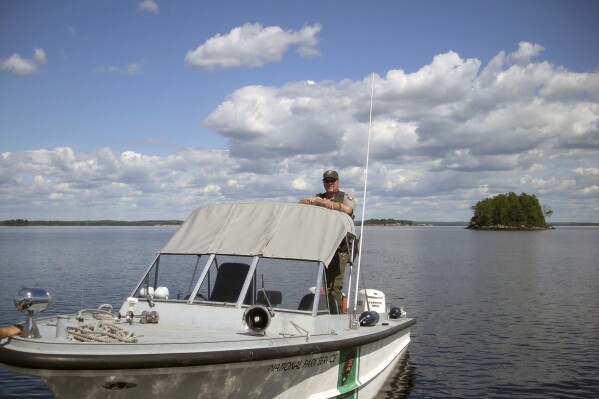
x=288, y=231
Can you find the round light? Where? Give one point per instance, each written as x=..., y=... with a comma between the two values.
x=256, y=319
x=32, y=300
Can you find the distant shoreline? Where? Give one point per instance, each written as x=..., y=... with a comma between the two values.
x=162, y=223
x=88, y=223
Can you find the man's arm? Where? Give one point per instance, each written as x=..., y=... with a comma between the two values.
x=9, y=331
x=325, y=203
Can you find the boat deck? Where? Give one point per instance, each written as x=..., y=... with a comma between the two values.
x=174, y=338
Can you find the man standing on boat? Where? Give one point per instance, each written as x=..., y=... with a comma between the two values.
x=332, y=198
x=335, y=200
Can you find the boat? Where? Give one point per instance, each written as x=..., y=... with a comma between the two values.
x=233, y=306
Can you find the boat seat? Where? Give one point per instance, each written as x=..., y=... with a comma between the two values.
x=274, y=297
x=229, y=282
x=308, y=301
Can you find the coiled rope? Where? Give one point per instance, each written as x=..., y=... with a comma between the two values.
x=100, y=332
x=104, y=312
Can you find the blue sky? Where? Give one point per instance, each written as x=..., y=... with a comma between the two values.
x=147, y=109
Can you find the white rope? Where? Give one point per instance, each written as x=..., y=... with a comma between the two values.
x=100, y=332
x=104, y=312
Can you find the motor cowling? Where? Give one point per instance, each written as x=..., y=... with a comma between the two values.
x=371, y=299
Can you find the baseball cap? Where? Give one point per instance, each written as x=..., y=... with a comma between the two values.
x=330, y=174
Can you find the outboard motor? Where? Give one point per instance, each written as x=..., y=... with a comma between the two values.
x=371, y=299
x=32, y=300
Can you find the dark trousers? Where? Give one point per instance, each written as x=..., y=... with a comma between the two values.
x=335, y=274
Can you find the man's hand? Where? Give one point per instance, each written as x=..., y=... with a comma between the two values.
x=326, y=203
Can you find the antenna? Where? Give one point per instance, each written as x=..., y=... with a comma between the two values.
x=364, y=199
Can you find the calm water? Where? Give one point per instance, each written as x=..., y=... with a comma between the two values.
x=500, y=314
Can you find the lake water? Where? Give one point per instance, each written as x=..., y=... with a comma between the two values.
x=500, y=314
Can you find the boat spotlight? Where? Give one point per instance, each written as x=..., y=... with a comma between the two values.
x=256, y=319
x=32, y=300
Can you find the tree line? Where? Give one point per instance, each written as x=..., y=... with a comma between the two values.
x=387, y=222
x=25, y=222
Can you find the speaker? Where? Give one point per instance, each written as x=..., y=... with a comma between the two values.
x=256, y=319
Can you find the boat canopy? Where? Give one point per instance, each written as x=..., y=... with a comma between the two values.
x=271, y=230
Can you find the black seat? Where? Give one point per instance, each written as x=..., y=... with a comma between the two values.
x=308, y=301
x=274, y=297
x=229, y=282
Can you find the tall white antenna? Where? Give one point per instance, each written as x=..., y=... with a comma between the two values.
x=364, y=198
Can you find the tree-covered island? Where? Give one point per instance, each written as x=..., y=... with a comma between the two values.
x=509, y=212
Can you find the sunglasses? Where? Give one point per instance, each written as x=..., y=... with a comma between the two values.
x=327, y=181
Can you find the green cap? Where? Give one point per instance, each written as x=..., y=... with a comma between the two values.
x=330, y=174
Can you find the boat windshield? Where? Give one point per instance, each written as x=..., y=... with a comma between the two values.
x=278, y=283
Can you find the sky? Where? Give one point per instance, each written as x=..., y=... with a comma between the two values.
x=138, y=110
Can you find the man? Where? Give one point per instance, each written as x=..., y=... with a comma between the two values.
x=332, y=198
x=335, y=200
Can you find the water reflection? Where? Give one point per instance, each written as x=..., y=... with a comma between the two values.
x=400, y=383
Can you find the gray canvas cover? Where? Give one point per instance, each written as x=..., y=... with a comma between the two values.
x=273, y=230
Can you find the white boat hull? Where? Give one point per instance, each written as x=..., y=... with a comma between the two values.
x=235, y=305
x=352, y=372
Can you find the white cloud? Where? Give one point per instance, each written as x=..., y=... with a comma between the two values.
x=22, y=66
x=300, y=184
x=587, y=171
x=443, y=137
x=526, y=52
x=62, y=179
x=131, y=69
x=449, y=127
x=252, y=45
x=39, y=56
x=149, y=6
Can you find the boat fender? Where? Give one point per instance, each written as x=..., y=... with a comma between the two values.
x=256, y=319
x=394, y=313
x=369, y=318
x=161, y=293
